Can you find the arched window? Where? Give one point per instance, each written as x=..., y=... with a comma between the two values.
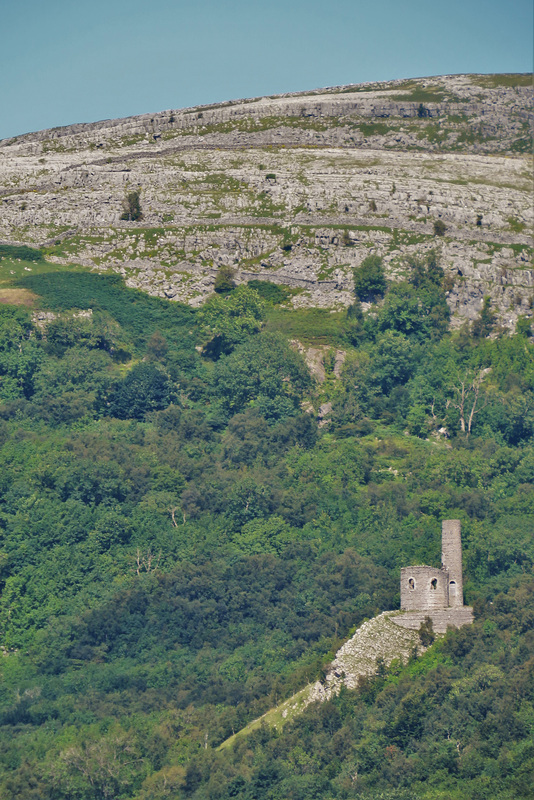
x=452, y=587
x=411, y=583
x=434, y=584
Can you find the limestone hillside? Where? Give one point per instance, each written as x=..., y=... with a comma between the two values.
x=296, y=189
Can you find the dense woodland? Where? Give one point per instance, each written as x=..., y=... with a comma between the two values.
x=182, y=547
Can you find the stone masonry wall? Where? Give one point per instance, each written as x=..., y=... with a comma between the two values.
x=441, y=620
x=423, y=588
x=451, y=559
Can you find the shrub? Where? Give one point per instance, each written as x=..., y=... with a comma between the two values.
x=421, y=312
x=523, y=326
x=439, y=228
x=264, y=372
x=485, y=322
x=227, y=321
x=132, y=207
x=224, y=280
x=394, y=360
x=370, y=279
x=516, y=225
x=145, y=388
x=426, y=632
x=416, y=420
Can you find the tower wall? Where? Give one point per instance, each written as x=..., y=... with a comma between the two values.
x=424, y=589
x=451, y=559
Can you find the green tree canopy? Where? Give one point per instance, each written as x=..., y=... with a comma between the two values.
x=265, y=372
x=19, y=354
x=226, y=321
x=145, y=388
x=370, y=279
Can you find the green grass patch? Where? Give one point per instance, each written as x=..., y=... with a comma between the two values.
x=374, y=128
x=71, y=245
x=471, y=137
x=11, y=271
x=336, y=227
x=272, y=293
x=313, y=326
x=126, y=141
x=23, y=252
x=137, y=313
x=416, y=93
x=523, y=145
x=249, y=125
x=516, y=247
x=516, y=225
x=508, y=81
x=433, y=133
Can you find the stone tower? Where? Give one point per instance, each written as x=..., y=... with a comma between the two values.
x=451, y=560
x=437, y=593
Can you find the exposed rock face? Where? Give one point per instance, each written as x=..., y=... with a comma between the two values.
x=377, y=640
x=296, y=189
x=374, y=641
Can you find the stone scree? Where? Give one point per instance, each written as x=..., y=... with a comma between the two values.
x=436, y=593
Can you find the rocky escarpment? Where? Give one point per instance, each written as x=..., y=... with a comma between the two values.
x=296, y=189
x=376, y=642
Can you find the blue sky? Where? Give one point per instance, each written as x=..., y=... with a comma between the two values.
x=64, y=61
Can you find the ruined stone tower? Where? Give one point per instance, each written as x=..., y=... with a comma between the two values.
x=437, y=593
x=451, y=560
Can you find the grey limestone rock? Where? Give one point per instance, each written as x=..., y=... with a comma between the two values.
x=297, y=189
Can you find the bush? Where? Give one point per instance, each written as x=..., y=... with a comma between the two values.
x=132, y=207
x=265, y=373
x=415, y=311
x=227, y=321
x=426, y=632
x=394, y=360
x=485, y=322
x=439, y=228
x=523, y=326
x=224, y=280
x=144, y=389
x=370, y=279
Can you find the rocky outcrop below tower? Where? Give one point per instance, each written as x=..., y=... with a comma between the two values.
x=376, y=641
x=297, y=189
